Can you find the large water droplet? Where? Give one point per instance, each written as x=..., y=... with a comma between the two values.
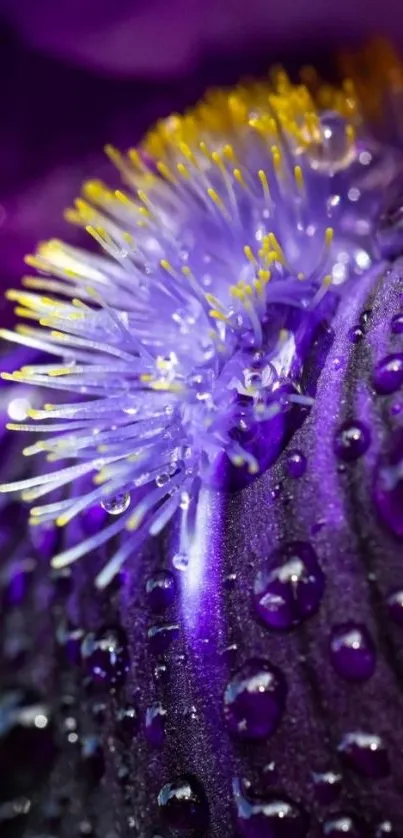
x=397, y=324
x=366, y=753
x=161, y=637
x=161, y=590
x=180, y=561
x=296, y=464
x=105, y=657
x=395, y=606
x=327, y=786
x=385, y=830
x=27, y=748
x=388, y=485
x=127, y=721
x=274, y=816
x=117, y=504
x=155, y=725
x=183, y=804
x=388, y=375
x=254, y=700
x=351, y=441
x=352, y=651
x=341, y=826
x=291, y=587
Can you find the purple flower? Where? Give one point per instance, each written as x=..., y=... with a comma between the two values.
x=252, y=650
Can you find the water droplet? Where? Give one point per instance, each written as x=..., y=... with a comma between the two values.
x=70, y=638
x=351, y=441
x=296, y=463
x=254, y=700
x=161, y=637
x=183, y=804
x=92, y=757
x=155, y=725
x=105, y=657
x=327, y=786
x=355, y=334
x=127, y=721
x=366, y=753
x=117, y=504
x=180, y=561
x=341, y=826
x=395, y=606
x=85, y=829
x=161, y=590
x=352, y=651
x=274, y=816
x=14, y=817
x=161, y=674
x=162, y=479
x=385, y=830
x=291, y=587
x=397, y=324
x=388, y=485
x=27, y=748
x=388, y=375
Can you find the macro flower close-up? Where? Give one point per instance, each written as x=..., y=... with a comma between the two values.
x=201, y=486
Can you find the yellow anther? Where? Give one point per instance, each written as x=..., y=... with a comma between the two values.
x=135, y=158
x=239, y=177
x=183, y=171
x=276, y=157
x=165, y=172
x=263, y=180
x=61, y=371
x=249, y=254
x=143, y=197
x=228, y=153
x=168, y=267
x=264, y=275
x=188, y=153
x=299, y=177
x=329, y=233
x=217, y=315
x=215, y=198
x=350, y=133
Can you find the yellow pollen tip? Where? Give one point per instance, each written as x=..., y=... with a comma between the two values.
x=299, y=178
x=239, y=177
x=329, y=233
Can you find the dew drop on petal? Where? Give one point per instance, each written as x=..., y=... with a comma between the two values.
x=385, y=830
x=272, y=816
x=117, y=504
x=160, y=637
x=388, y=485
x=365, y=753
x=296, y=464
x=155, y=725
x=180, y=561
x=254, y=700
x=183, y=804
x=352, y=651
x=388, y=374
x=327, y=785
x=341, y=826
x=127, y=721
x=105, y=657
x=291, y=587
x=396, y=325
x=160, y=590
x=394, y=604
x=351, y=441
